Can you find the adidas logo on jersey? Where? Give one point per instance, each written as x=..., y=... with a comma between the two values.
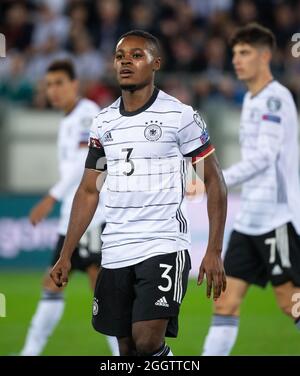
x=108, y=137
x=162, y=302
x=276, y=270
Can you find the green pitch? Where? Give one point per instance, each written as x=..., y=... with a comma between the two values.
x=263, y=329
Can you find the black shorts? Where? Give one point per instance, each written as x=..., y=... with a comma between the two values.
x=274, y=257
x=87, y=252
x=150, y=290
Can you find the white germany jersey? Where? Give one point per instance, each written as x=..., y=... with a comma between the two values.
x=73, y=136
x=146, y=154
x=269, y=169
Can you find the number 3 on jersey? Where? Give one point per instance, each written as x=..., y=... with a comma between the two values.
x=127, y=160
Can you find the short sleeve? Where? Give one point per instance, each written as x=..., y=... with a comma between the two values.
x=271, y=131
x=96, y=159
x=192, y=135
x=89, y=110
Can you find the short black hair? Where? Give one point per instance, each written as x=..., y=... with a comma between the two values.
x=255, y=35
x=63, y=65
x=146, y=35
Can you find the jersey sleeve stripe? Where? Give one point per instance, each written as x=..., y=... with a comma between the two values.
x=203, y=155
x=199, y=150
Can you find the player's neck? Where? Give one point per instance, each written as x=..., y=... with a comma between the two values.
x=256, y=85
x=134, y=100
x=69, y=107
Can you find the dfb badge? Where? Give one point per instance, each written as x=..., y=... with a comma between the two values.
x=95, y=307
x=153, y=132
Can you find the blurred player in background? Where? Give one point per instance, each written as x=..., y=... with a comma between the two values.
x=265, y=243
x=145, y=136
x=62, y=91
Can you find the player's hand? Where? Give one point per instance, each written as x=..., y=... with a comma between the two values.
x=41, y=210
x=60, y=272
x=212, y=266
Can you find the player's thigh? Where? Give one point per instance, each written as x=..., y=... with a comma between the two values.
x=244, y=261
x=282, y=257
x=113, y=300
x=88, y=252
x=230, y=301
x=160, y=288
x=285, y=297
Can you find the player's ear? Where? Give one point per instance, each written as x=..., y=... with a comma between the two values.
x=76, y=84
x=266, y=55
x=156, y=64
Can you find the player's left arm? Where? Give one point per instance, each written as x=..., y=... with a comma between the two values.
x=269, y=142
x=194, y=142
x=212, y=264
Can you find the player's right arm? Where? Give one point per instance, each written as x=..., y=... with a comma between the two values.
x=268, y=145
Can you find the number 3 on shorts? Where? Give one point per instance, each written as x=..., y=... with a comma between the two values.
x=166, y=276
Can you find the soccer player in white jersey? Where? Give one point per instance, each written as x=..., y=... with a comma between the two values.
x=144, y=140
x=62, y=92
x=265, y=244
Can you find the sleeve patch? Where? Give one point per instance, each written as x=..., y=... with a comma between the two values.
x=273, y=118
x=203, y=154
x=95, y=143
x=273, y=104
x=84, y=137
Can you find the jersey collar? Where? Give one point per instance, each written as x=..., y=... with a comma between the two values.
x=66, y=114
x=263, y=88
x=141, y=109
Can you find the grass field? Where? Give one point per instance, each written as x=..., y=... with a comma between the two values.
x=263, y=329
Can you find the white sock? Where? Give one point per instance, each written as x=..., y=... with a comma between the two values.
x=221, y=336
x=163, y=351
x=113, y=345
x=170, y=353
x=44, y=321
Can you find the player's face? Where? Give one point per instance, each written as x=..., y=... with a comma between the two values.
x=247, y=61
x=135, y=63
x=61, y=89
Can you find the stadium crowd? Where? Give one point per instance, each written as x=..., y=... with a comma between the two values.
x=194, y=36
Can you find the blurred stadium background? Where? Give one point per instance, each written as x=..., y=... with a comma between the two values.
x=197, y=70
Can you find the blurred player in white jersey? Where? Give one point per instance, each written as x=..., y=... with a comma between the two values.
x=265, y=244
x=62, y=91
x=144, y=140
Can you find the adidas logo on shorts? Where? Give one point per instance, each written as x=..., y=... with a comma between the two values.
x=277, y=270
x=162, y=302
